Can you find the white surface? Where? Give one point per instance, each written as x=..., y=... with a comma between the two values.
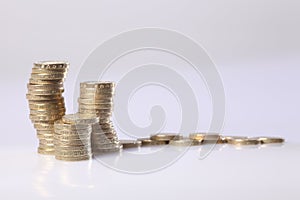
x=227, y=173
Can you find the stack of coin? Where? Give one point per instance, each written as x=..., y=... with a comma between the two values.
x=97, y=98
x=46, y=102
x=72, y=140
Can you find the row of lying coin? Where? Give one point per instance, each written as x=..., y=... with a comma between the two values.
x=198, y=139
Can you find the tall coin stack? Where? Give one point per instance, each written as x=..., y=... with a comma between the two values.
x=97, y=98
x=46, y=102
x=73, y=137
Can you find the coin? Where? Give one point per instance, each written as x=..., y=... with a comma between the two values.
x=34, y=98
x=149, y=142
x=45, y=82
x=269, y=140
x=185, y=142
x=45, y=87
x=71, y=126
x=48, y=76
x=81, y=158
x=130, y=143
x=51, y=65
x=240, y=141
x=49, y=70
x=46, y=151
x=165, y=137
x=72, y=152
x=95, y=101
x=80, y=118
x=226, y=138
x=96, y=106
x=95, y=84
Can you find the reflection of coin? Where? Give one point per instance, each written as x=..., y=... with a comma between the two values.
x=269, y=140
x=241, y=141
x=165, y=137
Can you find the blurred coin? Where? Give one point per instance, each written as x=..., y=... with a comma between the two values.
x=269, y=140
x=240, y=141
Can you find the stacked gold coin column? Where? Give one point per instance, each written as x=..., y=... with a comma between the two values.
x=97, y=98
x=72, y=141
x=46, y=102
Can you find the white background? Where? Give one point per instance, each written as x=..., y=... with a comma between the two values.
x=255, y=45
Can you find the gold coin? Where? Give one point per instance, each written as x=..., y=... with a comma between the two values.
x=45, y=82
x=269, y=140
x=51, y=65
x=45, y=136
x=72, y=137
x=49, y=70
x=72, y=132
x=45, y=117
x=240, y=141
x=97, y=84
x=226, y=138
x=130, y=143
x=97, y=90
x=46, y=142
x=44, y=126
x=165, y=137
x=72, y=142
x=73, y=148
x=197, y=136
x=95, y=101
x=107, y=150
x=60, y=111
x=45, y=87
x=71, y=126
x=185, y=142
x=73, y=153
x=105, y=112
x=80, y=118
x=96, y=106
x=43, y=97
x=48, y=76
x=46, y=92
x=46, y=151
x=149, y=142
x=47, y=106
x=104, y=97
x=70, y=159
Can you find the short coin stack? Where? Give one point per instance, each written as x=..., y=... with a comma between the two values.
x=97, y=98
x=46, y=102
x=73, y=138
